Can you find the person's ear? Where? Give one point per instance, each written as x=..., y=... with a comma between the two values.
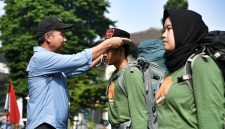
x=121, y=50
x=47, y=38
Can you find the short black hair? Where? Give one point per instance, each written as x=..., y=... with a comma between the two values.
x=115, y=32
x=126, y=48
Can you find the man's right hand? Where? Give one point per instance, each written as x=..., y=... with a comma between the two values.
x=115, y=42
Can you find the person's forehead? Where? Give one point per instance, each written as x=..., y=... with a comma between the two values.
x=60, y=31
x=56, y=31
x=111, y=50
x=168, y=19
x=167, y=22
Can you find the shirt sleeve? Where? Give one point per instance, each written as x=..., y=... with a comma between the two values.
x=208, y=86
x=50, y=62
x=136, y=98
x=84, y=68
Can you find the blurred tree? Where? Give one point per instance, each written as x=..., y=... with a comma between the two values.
x=176, y=4
x=18, y=27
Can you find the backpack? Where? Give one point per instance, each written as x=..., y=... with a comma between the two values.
x=150, y=62
x=214, y=46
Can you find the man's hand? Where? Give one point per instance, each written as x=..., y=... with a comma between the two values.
x=98, y=61
x=111, y=43
x=116, y=42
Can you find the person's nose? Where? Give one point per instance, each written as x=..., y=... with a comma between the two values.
x=164, y=35
x=104, y=55
x=104, y=58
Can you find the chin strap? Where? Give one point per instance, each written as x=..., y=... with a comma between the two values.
x=101, y=60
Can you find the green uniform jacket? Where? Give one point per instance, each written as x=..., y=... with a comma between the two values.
x=202, y=108
x=133, y=107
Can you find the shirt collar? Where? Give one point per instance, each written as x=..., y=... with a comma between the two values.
x=38, y=48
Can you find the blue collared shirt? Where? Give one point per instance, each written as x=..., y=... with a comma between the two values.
x=48, y=91
x=5, y=124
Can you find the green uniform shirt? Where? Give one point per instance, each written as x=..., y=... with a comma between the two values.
x=133, y=107
x=202, y=108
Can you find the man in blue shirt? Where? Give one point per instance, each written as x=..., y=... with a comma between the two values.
x=48, y=106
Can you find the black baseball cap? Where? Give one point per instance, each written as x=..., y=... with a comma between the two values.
x=49, y=24
x=115, y=32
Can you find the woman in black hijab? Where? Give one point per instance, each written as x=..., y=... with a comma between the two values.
x=178, y=105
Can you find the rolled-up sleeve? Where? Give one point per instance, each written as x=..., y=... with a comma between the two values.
x=89, y=55
x=84, y=68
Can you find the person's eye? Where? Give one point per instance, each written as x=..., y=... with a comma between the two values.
x=169, y=27
x=62, y=34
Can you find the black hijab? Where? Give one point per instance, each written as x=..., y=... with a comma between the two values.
x=189, y=29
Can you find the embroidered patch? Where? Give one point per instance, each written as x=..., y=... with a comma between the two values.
x=109, y=33
x=111, y=92
x=163, y=90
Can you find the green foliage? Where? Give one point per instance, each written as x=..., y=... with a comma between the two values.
x=18, y=27
x=176, y=4
x=91, y=124
x=87, y=93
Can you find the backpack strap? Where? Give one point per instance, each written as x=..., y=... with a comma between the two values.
x=148, y=88
x=121, y=84
x=148, y=75
x=188, y=69
x=120, y=78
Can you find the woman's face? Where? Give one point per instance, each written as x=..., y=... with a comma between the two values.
x=168, y=36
